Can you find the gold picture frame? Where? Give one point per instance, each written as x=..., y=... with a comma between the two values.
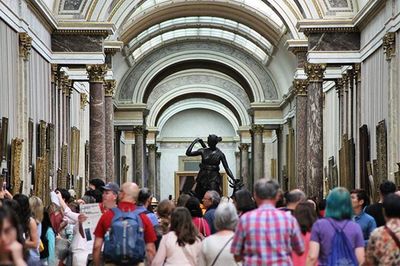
x=185, y=181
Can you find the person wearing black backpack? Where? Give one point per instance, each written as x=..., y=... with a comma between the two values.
x=336, y=240
x=127, y=234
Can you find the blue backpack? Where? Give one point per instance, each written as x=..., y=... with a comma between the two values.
x=125, y=244
x=342, y=253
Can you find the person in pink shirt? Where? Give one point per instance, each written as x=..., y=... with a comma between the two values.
x=306, y=216
x=193, y=205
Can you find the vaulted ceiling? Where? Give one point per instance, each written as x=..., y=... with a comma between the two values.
x=244, y=39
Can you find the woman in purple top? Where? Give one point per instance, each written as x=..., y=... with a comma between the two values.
x=338, y=213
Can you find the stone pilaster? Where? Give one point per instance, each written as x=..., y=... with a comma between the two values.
x=244, y=164
x=109, y=128
x=315, y=73
x=389, y=46
x=300, y=89
x=139, y=172
x=258, y=158
x=152, y=163
x=25, y=46
x=157, y=185
x=97, y=121
x=345, y=81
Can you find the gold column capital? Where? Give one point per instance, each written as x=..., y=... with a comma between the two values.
x=244, y=147
x=139, y=130
x=110, y=87
x=25, y=45
x=357, y=71
x=96, y=73
x=315, y=72
x=257, y=129
x=152, y=147
x=339, y=86
x=84, y=100
x=300, y=87
x=389, y=44
x=54, y=72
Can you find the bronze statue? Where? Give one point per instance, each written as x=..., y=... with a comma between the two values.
x=209, y=177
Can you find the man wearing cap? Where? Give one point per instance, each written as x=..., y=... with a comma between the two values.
x=110, y=196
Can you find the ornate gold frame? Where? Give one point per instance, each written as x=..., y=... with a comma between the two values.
x=16, y=152
x=180, y=174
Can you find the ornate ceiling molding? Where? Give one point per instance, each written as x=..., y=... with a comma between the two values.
x=132, y=87
x=222, y=9
x=159, y=120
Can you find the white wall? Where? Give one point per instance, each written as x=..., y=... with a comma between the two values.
x=177, y=134
x=8, y=77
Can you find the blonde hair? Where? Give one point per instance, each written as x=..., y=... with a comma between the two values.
x=36, y=205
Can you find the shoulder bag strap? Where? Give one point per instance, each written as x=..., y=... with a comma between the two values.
x=390, y=232
x=219, y=253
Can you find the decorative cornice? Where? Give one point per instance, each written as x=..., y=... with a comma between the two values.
x=110, y=87
x=389, y=45
x=315, y=72
x=300, y=87
x=84, y=100
x=25, y=45
x=96, y=73
x=257, y=129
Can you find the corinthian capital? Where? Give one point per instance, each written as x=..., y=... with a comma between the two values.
x=300, y=86
x=257, y=129
x=139, y=130
x=315, y=72
x=25, y=45
x=96, y=73
x=110, y=88
x=389, y=44
x=339, y=86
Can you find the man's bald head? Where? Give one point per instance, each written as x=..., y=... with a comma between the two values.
x=129, y=192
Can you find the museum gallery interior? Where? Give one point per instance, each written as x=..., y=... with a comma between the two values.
x=305, y=92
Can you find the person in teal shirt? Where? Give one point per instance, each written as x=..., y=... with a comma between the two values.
x=360, y=200
x=48, y=238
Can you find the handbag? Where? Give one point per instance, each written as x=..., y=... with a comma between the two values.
x=219, y=253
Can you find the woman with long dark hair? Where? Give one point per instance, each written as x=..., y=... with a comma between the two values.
x=11, y=240
x=29, y=226
x=193, y=205
x=181, y=245
x=48, y=238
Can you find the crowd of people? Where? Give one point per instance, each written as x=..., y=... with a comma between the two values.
x=267, y=227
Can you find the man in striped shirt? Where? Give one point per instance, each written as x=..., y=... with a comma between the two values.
x=267, y=236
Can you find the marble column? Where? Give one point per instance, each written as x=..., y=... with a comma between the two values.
x=25, y=46
x=152, y=157
x=109, y=129
x=359, y=172
x=157, y=183
x=258, y=158
x=389, y=46
x=339, y=90
x=97, y=122
x=345, y=123
x=315, y=73
x=139, y=173
x=300, y=90
x=244, y=164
